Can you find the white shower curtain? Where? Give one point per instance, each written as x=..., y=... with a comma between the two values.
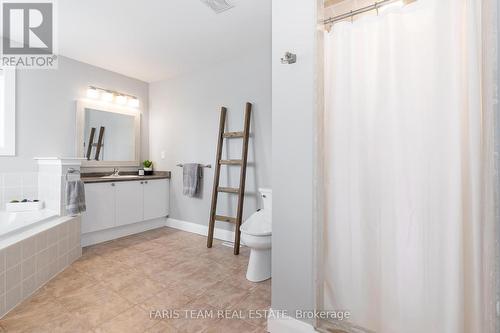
x=409, y=160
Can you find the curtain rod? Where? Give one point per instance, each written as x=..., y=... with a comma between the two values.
x=362, y=10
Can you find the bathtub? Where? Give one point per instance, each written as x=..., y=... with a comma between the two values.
x=34, y=247
x=15, y=224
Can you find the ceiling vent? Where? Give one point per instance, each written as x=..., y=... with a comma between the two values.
x=218, y=6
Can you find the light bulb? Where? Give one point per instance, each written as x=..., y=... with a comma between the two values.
x=107, y=96
x=92, y=93
x=120, y=99
x=133, y=102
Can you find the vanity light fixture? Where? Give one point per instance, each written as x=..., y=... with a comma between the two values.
x=121, y=99
x=107, y=96
x=92, y=93
x=112, y=96
x=133, y=102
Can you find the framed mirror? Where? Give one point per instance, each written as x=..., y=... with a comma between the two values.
x=107, y=134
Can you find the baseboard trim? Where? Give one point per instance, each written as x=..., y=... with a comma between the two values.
x=114, y=233
x=122, y=231
x=221, y=234
x=286, y=324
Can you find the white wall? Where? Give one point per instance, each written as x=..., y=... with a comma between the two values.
x=46, y=109
x=294, y=98
x=184, y=120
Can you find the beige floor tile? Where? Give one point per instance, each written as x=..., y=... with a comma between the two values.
x=65, y=323
x=133, y=320
x=198, y=318
x=195, y=284
x=254, y=306
x=94, y=305
x=265, y=287
x=145, y=245
x=158, y=233
x=225, y=256
x=62, y=324
x=27, y=317
x=140, y=289
x=168, y=299
x=115, y=285
x=130, y=240
x=162, y=327
x=98, y=267
x=232, y=326
x=167, y=277
x=102, y=248
x=223, y=295
x=132, y=258
x=157, y=266
x=157, y=252
x=238, y=279
x=257, y=299
x=68, y=282
x=115, y=254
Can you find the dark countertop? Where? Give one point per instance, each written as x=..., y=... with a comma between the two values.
x=94, y=177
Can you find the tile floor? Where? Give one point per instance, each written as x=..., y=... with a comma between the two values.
x=119, y=285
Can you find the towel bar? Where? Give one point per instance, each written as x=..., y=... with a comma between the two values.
x=71, y=171
x=203, y=166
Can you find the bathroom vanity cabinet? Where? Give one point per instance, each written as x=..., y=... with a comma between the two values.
x=113, y=206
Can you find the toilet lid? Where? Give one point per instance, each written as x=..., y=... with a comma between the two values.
x=259, y=224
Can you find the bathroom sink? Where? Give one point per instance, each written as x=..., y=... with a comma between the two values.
x=119, y=176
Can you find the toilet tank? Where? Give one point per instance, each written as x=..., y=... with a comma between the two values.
x=267, y=199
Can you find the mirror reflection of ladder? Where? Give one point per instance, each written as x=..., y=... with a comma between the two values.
x=240, y=191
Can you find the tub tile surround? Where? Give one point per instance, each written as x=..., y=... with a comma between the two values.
x=29, y=264
x=18, y=186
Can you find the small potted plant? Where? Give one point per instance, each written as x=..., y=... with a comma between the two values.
x=148, y=167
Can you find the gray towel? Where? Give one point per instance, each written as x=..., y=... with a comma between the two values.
x=191, y=174
x=75, y=197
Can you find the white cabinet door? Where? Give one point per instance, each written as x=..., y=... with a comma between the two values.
x=100, y=201
x=155, y=198
x=129, y=201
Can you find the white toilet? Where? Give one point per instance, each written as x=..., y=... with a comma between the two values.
x=256, y=234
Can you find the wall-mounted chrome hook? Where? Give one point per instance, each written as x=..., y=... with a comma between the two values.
x=289, y=58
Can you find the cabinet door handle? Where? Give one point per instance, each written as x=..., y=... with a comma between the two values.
x=142, y=182
x=146, y=182
x=112, y=184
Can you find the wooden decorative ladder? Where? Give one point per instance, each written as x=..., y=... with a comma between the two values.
x=240, y=191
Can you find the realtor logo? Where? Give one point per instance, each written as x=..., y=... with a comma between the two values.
x=28, y=34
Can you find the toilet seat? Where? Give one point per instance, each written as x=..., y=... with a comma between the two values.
x=259, y=224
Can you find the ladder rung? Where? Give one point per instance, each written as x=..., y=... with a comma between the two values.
x=231, y=162
x=229, y=190
x=225, y=218
x=233, y=134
